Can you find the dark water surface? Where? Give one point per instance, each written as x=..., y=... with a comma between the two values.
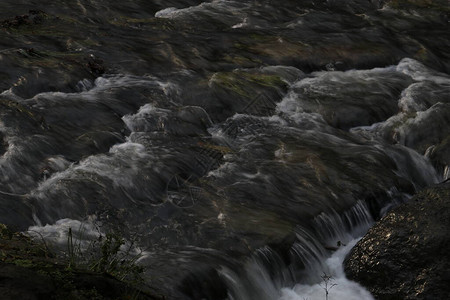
x=236, y=142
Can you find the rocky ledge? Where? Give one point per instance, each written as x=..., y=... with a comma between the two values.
x=406, y=254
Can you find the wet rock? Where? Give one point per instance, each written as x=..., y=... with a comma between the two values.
x=185, y=121
x=348, y=99
x=3, y=144
x=418, y=130
x=15, y=211
x=245, y=91
x=95, y=65
x=405, y=255
x=32, y=66
x=33, y=17
x=423, y=120
x=205, y=284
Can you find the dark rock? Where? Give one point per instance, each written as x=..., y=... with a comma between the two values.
x=204, y=284
x=33, y=17
x=95, y=65
x=405, y=255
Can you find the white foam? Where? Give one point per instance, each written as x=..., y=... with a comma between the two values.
x=104, y=84
x=85, y=85
x=408, y=102
x=57, y=234
x=84, y=235
x=420, y=72
x=121, y=165
x=289, y=104
x=413, y=166
x=243, y=24
x=344, y=288
x=225, y=11
x=168, y=12
x=58, y=163
x=446, y=172
x=370, y=128
x=145, y=119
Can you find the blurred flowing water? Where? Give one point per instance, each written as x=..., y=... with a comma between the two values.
x=236, y=180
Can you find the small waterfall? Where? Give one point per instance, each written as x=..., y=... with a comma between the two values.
x=317, y=250
x=339, y=287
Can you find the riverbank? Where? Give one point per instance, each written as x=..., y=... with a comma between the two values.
x=29, y=270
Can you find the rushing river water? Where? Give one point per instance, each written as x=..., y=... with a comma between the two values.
x=243, y=147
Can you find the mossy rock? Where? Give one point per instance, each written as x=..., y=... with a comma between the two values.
x=237, y=82
x=241, y=91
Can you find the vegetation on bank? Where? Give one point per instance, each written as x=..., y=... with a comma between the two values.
x=29, y=269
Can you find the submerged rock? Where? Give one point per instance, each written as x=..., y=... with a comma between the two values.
x=405, y=255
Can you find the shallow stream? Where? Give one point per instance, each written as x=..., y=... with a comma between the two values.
x=243, y=146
